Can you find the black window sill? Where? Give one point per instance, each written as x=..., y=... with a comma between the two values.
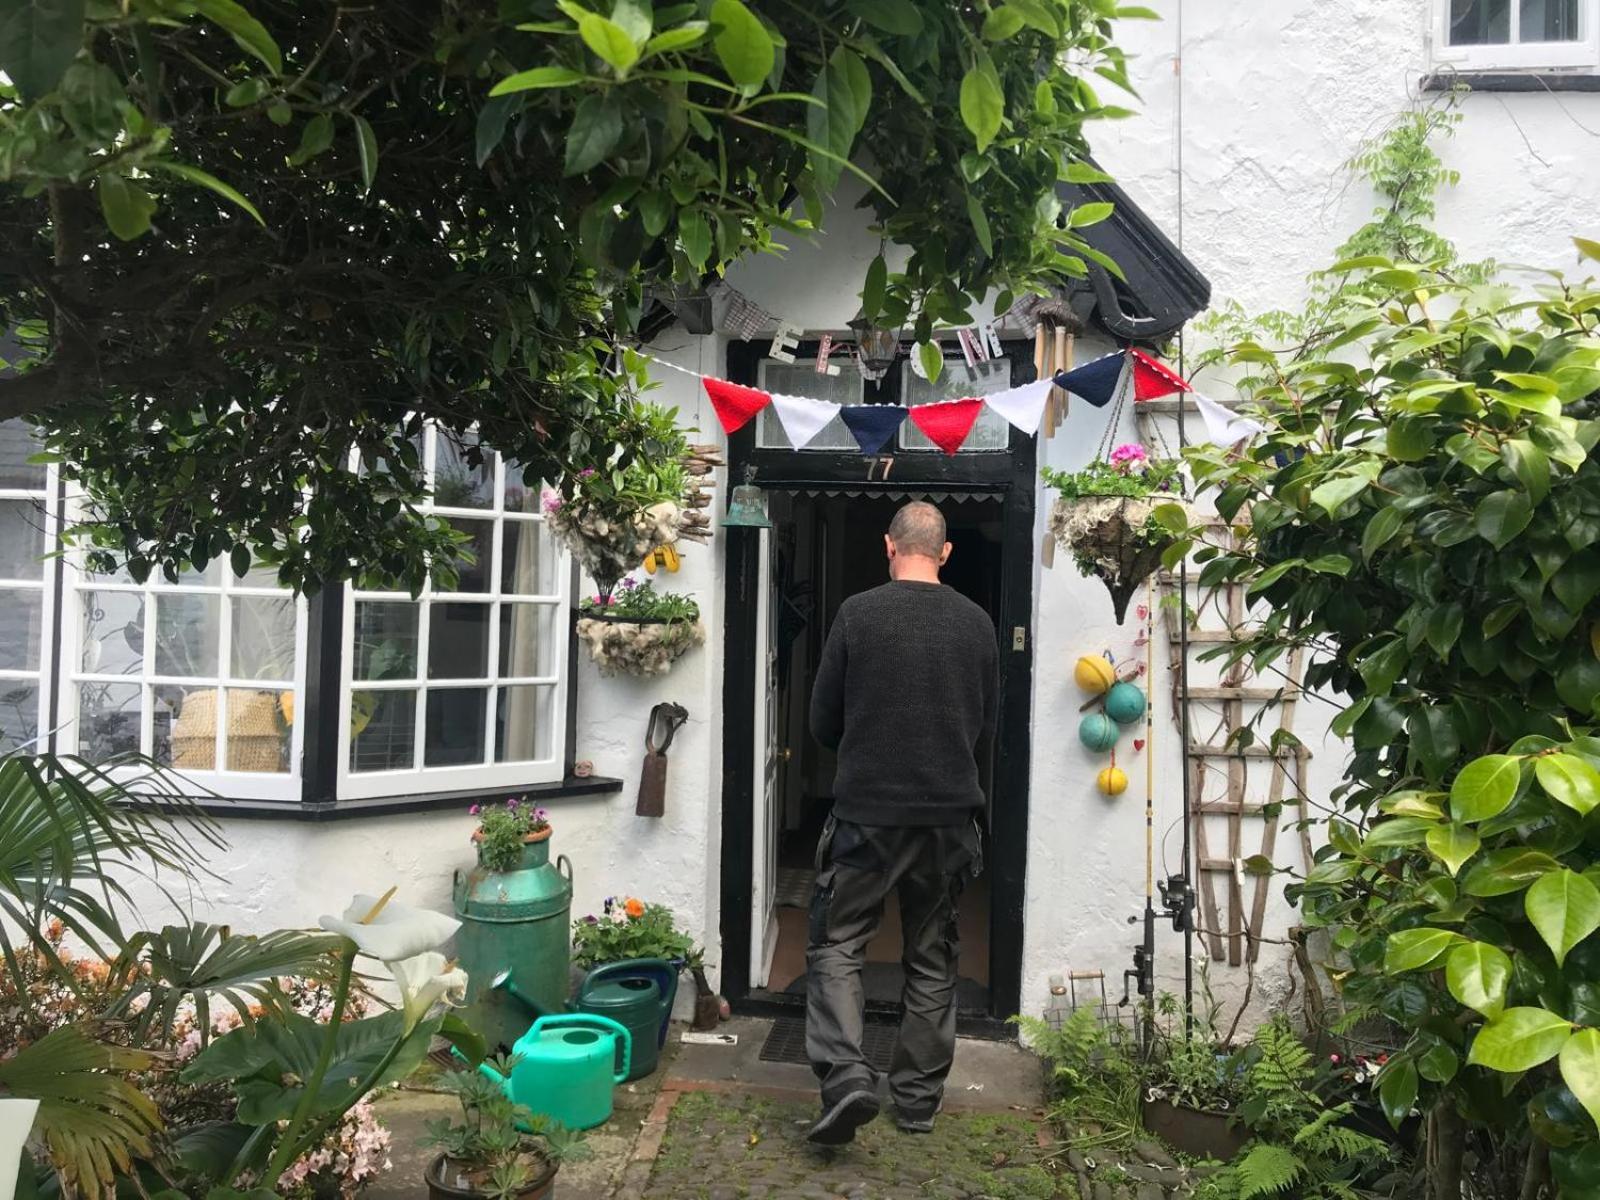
x=388, y=806
x=1511, y=81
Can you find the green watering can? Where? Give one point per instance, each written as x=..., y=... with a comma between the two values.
x=638, y=994
x=565, y=1068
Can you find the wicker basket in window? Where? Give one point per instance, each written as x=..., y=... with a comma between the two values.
x=255, y=739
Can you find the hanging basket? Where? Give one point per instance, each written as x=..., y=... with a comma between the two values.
x=642, y=646
x=608, y=546
x=1114, y=538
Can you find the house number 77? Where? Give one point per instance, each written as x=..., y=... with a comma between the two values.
x=874, y=464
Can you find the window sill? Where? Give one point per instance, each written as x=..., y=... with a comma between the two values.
x=1512, y=81
x=388, y=806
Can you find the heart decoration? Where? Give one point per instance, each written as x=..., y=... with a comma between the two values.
x=1138, y=745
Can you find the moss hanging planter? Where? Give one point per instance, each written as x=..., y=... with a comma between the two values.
x=641, y=646
x=1115, y=538
x=608, y=545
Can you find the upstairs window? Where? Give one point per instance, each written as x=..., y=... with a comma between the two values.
x=1495, y=35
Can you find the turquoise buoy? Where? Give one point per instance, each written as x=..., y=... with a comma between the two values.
x=1125, y=703
x=1098, y=732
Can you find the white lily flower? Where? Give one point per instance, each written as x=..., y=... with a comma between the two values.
x=424, y=980
x=390, y=931
x=16, y=1119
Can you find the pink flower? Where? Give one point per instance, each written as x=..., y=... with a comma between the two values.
x=550, y=500
x=587, y=473
x=511, y=802
x=1129, y=456
x=474, y=810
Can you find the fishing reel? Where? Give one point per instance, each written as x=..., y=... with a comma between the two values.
x=1177, y=901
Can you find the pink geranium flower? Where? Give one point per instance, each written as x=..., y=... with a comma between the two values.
x=1129, y=457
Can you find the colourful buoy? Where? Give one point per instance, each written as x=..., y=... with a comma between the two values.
x=1125, y=703
x=1094, y=674
x=1112, y=781
x=1098, y=732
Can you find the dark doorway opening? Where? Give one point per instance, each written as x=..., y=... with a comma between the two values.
x=829, y=547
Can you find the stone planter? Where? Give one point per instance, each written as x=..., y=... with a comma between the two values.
x=641, y=646
x=446, y=1180
x=1192, y=1130
x=1114, y=539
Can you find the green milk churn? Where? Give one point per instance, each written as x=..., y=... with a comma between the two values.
x=515, y=941
x=637, y=995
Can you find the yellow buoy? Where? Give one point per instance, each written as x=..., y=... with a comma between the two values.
x=1094, y=674
x=1112, y=781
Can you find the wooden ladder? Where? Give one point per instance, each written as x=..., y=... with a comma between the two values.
x=1220, y=767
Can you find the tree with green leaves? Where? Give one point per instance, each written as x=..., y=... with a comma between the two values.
x=1421, y=518
x=243, y=244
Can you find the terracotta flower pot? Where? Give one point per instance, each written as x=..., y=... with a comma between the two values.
x=446, y=1180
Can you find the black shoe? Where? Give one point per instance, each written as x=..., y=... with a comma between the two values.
x=910, y=1124
x=840, y=1120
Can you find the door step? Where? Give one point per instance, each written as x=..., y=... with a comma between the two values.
x=787, y=1043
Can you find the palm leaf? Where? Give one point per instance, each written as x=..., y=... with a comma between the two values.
x=67, y=830
x=201, y=961
x=92, y=1119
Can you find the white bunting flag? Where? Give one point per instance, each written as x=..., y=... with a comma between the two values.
x=802, y=417
x=1223, y=426
x=1022, y=406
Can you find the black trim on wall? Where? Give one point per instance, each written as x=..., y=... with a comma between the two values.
x=1009, y=474
x=387, y=806
x=319, y=755
x=1511, y=81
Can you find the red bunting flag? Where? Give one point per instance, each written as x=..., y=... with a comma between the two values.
x=1152, y=379
x=735, y=403
x=948, y=422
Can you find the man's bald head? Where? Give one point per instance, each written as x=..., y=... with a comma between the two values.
x=918, y=529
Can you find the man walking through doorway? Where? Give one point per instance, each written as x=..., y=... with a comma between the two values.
x=906, y=695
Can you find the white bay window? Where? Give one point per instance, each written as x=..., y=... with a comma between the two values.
x=1511, y=35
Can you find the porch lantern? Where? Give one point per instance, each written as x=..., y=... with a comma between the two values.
x=879, y=347
x=747, y=507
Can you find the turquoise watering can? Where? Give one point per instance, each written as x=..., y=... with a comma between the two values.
x=565, y=1068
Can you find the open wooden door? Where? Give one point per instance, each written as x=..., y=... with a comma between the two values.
x=769, y=774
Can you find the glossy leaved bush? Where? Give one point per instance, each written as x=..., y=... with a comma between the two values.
x=1422, y=516
x=244, y=242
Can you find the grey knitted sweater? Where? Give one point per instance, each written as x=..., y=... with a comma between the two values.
x=907, y=695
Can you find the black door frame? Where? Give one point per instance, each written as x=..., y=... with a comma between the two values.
x=1011, y=475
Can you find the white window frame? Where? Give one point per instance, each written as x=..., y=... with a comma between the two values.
x=231, y=785
x=488, y=775
x=45, y=585
x=1515, y=55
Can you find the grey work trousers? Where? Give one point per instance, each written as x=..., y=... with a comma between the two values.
x=857, y=867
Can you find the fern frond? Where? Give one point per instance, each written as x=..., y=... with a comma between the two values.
x=1267, y=1169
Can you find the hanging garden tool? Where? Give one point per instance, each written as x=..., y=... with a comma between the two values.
x=1119, y=514
x=665, y=721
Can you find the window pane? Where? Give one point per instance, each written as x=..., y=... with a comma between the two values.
x=455, y=727
x=528, y=640
x=456, y=483
x=800, y=378
x=1548, y=21
x=530, y=560
x=113, y=633
x=21, y=613
x=385, y=640
x=991, y=431
x=383, y=731
x=19, y=715
x=524, y=724
x=21, y=539
x=1480, y=22
x=188, y=634
x=522, y=489
x=183, y=727
x=17, y=445
x=475, y=574
x=263, y=637
x=458, y=641
x=258, y=731
x=108, y=719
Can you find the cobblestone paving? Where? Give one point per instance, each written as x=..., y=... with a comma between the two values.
x=733, y=1147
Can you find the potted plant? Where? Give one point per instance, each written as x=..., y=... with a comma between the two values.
x=505, y=831
x=499, y=1149
x=637, y=630
x=616, y=507
x=629, y=929
x=1117, y=517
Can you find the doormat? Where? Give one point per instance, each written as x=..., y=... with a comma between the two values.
x=787, y=1043
x=794, y=886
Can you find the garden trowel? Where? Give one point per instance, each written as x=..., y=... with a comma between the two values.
x=665, y=721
